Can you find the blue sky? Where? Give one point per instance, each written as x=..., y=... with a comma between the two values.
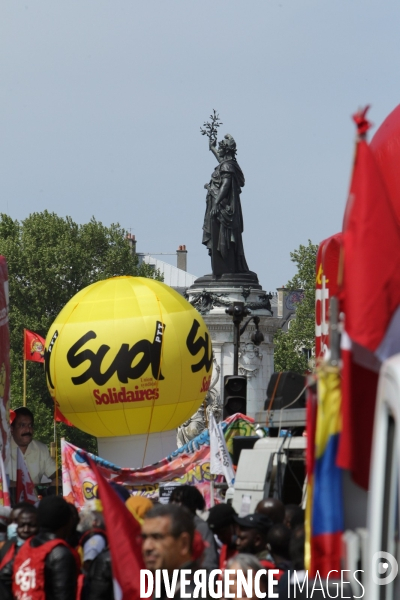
x=102, y=101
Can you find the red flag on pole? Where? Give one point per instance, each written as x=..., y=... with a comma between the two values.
x=371, y=303
x=326, y=286
x=59, y=417
x=34, y=346
x=123, y=533
x=25, y=488
x=4, y=493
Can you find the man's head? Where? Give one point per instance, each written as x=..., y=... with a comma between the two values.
x=294, y=516
x=296, y=547
x=273, y=508
x=252, y=533
x=221, y=521
x=167, y=533
x=27, y=523
x=54, y=516
x=22, y=427
x=189, y=496
x=278, y=540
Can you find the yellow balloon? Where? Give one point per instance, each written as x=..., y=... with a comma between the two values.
x=128, y=355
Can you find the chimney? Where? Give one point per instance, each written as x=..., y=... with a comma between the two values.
x=181, y=258
x=132, y=242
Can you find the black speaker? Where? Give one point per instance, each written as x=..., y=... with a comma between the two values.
x=287, y=386
x=242, y=442
x=235, y=387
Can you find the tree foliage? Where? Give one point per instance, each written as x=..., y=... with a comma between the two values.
x=50, y=259
x=289, y=355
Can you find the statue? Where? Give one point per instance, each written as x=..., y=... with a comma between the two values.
x=223, y=221
x=199, y=421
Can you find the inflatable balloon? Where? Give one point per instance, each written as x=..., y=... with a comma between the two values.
x=128, y=355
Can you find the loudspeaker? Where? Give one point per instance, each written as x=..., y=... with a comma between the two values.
x=235, y=388
x=288, y=387
x=242, y=442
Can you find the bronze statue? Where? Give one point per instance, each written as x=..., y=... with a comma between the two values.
x=223, y=221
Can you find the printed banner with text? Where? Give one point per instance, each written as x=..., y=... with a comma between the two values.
x=189, y=464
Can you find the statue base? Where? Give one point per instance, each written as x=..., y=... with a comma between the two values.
x=211, y=297
x=231, y=280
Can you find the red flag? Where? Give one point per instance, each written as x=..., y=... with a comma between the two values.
x=123, y=532
x=371, y=299
x=34, y=346
x=326, y=286
x=59, y=417
x=4, y=493
x=25, y=488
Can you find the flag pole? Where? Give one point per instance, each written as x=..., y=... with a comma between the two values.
x=24, y=396
x=55, y=445
x=24, y=375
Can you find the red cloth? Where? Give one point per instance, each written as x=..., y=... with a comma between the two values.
x=59, y=417
x=123, y=534
x=225, y=555
x=370, y=296
x=328, y=266
x=25, y=490
x=29, y=565
x=34, y=346
x=9, y=555
x=267, y=564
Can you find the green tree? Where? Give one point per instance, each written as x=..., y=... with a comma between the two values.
x=50, y=259
x=288, y=354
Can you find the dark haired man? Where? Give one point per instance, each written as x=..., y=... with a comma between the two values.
x=168, y=532
x=46, y=567
x=36, y=455
x=26, y=528
x=191, y=497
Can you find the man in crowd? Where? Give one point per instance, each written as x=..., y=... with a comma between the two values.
x=278, y=539
x=94, y=538
x=252, y=536
x=221, y=521
x=167, y=534
x=46, y=566
x=191, y=497
x=294, y=516
x=252, y=539
x=26, y=528
x=36, y=455
x=272, y=508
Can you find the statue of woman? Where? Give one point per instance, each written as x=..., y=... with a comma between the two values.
x=223, y=221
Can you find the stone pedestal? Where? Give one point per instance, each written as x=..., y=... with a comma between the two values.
x=255, y=362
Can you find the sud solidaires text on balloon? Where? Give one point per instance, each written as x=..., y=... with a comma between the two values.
x=113, y=396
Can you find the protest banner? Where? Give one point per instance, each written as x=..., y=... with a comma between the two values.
x=189, y=464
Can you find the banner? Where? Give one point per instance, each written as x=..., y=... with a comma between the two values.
x=4, y=493
x=4, y=364
x=25, y=488
x=220, y=460
x=189, y=464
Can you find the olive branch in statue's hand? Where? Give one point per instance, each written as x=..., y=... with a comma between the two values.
x=211, y=129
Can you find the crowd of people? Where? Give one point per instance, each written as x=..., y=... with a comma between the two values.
x=54, y=552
